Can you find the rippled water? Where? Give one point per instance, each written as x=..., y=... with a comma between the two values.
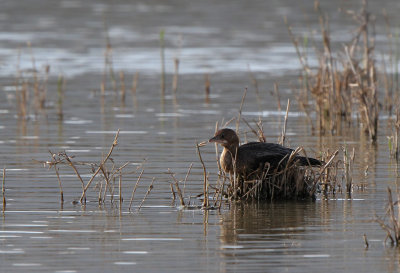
x=225, y=40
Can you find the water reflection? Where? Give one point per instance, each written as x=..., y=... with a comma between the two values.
x=265, y=221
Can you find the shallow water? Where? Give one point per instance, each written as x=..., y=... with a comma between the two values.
x=225, y=40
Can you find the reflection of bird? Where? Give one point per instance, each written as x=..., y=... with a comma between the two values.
x=252, y=157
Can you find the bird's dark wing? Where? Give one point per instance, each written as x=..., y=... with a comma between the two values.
x=256, y=154
x=262, y=148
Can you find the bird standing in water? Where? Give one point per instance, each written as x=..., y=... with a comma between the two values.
x=250, y=158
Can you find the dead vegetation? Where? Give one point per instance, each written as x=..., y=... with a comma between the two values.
x=106, y=174
x=344, y=85
x=391, y=221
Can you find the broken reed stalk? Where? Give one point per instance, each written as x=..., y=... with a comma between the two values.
x=123, y=90
x=147, y=193
x=107, y=177
x=182, y=200
x=255, y=83
x=76, y=171
x=134, y=89
x=36, y=91
x=102, y=96
x=207, y=87
x=366, y=244
x=115, y=143
x=120, y=189
x=108, y=59
x=186, y=177
x=173, y=192
x=283, y=137
x=175, y=79
x=348, y=168
x=134, y=189
x=22, y=94
x=58, y=177
x=60, y=94
x=3, y=189
x=278, y=97
x=205, y=185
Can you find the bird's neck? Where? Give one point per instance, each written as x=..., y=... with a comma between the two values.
x=228, y=158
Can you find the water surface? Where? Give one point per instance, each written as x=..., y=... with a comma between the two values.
x=225, y=40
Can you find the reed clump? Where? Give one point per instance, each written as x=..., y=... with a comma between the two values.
x=343, y=85
x=392, y=224
x=107, y=174
x=31, y=88
x=288, y=180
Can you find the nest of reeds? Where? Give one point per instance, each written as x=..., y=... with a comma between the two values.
x=288, y=180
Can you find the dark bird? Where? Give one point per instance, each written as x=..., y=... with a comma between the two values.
x=250, y=158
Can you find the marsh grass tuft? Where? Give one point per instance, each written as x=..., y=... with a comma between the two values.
x=31, y=88
x=345, y=84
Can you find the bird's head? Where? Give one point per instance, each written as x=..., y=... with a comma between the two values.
x=226, y=137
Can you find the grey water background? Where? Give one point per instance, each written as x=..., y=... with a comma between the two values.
x=225, y=39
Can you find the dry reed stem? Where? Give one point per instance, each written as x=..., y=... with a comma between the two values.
x=102, y=96
x=134, y=189
x=395, y=222
x=123, y=90
x=175, y=79
x=255, y=84
x=335, y=92
x=365, y=241
x=107, y=187
x=173, y=192
x=60, y=93
x=108, y=59
x=76, y=171
x=278, y=98
x=207, y=87
x=327, y=164
x=3, y=189
x=134, y=89
x=120, y=189
x=348, y=168
x=182, y=200
x=147, y=193
x=186, y=177
x=283, y=136
x=205, y=185
x=58, y=177
x=115, y=143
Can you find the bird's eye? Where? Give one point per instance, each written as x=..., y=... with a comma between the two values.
x=222, y=135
